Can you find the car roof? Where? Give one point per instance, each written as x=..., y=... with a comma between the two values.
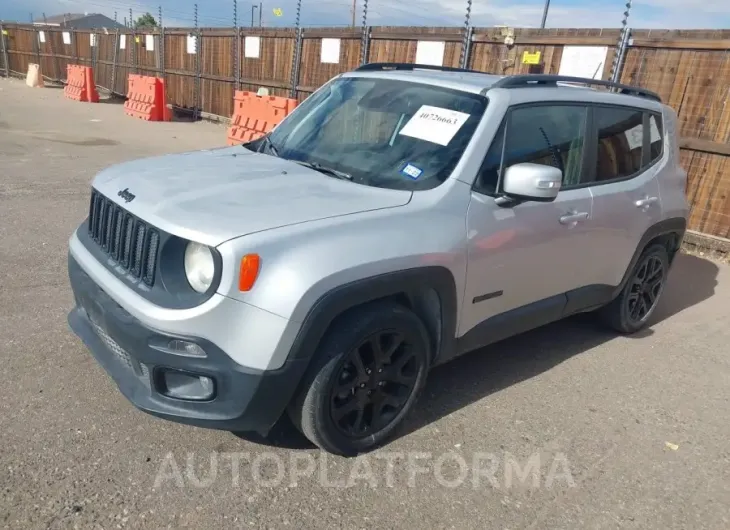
x=474, y=82
x=481, y=83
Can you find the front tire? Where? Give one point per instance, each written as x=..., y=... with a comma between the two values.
x=631, y=309
x=366, y=375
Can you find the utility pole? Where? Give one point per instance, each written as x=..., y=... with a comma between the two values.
x=261, y=9
x=354, y=12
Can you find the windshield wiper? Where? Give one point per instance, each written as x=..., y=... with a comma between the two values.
x=326, y=170
x=270, y=145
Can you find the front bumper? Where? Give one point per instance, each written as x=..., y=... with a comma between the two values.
x=244, y=399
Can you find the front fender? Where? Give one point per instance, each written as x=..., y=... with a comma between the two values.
x=339, y=263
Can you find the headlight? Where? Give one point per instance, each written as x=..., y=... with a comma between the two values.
x=199, y=266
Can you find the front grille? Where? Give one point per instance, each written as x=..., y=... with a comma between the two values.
x=140, y=369
x=110, y=343
x=123, y=237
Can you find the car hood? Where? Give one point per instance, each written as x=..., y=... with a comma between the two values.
x=215, y=195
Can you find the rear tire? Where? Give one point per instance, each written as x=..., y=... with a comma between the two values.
x=366, y=376
x=632, y=308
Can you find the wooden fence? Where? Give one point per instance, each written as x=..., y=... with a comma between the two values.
x=203, y=68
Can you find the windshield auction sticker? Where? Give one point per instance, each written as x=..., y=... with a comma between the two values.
x=434, y=124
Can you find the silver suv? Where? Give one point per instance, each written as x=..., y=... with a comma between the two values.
x=401, y=216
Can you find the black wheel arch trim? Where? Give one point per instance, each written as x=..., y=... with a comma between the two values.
x=348, y=296
x=673, y=226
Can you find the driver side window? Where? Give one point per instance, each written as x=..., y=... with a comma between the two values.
x=552, y=135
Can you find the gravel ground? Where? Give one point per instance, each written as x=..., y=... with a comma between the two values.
x=568, y=426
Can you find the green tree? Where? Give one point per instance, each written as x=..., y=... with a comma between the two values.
x=145, y=21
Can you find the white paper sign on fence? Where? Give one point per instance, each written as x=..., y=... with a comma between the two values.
x=66, y=37
x=122, y=42
x=430, y=52
x=330, y=51
x=92, y=39
x=41, y=36
x=149, y=43
x=583, y=61
x=252, y=47
x=192, y=44
x=434, y=124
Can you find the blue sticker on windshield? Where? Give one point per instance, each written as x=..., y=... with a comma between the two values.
x=411, y=171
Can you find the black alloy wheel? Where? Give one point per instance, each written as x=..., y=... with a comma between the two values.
x=631, y=310
x=365, y=377
x=646, y=286
x=375, y=381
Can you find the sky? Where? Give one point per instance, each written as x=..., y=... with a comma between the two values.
x=667, y=14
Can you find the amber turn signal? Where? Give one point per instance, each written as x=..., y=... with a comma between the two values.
x=249, y=271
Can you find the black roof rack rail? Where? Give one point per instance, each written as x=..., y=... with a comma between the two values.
x=531, y=80
x=379, y=67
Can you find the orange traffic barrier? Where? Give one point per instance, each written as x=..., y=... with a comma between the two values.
x=80, y=84
x=146, y=99
x=255, y=116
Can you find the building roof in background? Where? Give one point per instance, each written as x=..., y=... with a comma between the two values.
x=67, y=17
x=80, y=21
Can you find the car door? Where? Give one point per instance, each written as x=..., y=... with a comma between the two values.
x=524, y=257
x=628, y=151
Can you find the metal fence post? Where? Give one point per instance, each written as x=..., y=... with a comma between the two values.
x=618, y=69
x=54, y=59
x=365, y=43
x=622, y=38
x=161, y=53
x=237, y=58
x=198, y=84
x=161, y=46
x=75, y=40
x=114, y=61
x=466, y=49
x=236, y=48
x=95, y=52
x=365, y=51
x=295, y=56
x=134, y=51
x=38, y=49
x=4, y=44
x=296, y=62
x=467, y=36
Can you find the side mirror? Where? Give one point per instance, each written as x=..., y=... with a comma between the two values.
x=532, y=182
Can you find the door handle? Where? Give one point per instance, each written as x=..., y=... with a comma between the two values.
x=573, y=217
x=646, y=202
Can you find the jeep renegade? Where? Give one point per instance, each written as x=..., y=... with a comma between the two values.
x=402, y=215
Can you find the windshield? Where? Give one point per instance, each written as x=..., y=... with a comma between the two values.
x=379, y=132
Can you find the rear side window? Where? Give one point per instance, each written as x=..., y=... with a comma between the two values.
x=620, y=142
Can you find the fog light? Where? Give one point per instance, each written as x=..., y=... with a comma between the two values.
x=180, y=347
x=182, y=385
